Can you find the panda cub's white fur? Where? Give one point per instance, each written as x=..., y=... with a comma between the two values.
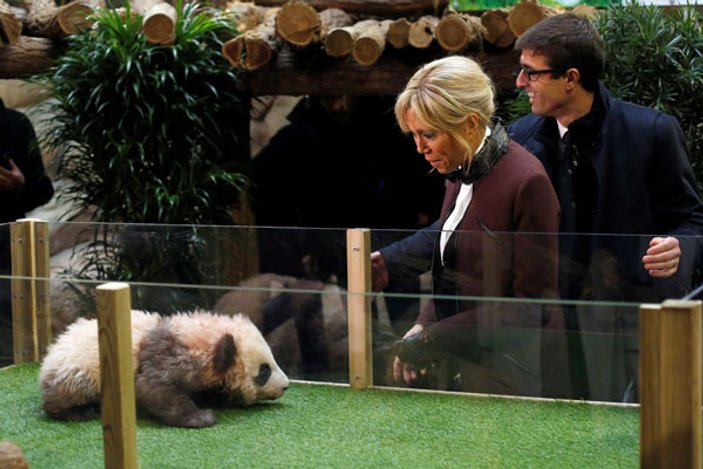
x=180, y=361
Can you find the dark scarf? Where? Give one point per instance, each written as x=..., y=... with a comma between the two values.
x=483, y=162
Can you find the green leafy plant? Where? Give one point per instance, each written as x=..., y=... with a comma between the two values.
x=146, y=134
x=655, y=58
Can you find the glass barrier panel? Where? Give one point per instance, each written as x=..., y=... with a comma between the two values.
x=520, y=314
x=296, y=300
x=523, y=314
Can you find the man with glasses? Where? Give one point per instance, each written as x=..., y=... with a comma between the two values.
x=618, y=169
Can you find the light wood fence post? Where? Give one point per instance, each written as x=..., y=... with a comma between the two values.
x=359, y=307
x=117, y=376
x=670, y=384
x=31, y=316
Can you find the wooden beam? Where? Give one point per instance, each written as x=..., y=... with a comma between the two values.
x=670, y=382
x=296, y=75
x=31, y=317
x=119, y=415
x=359, y=307
x=42, y=286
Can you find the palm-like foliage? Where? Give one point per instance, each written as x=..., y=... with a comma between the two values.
x=144, y=133
x=655, y=58
x=147, y=134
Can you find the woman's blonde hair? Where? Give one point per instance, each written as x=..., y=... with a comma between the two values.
x=442, y=95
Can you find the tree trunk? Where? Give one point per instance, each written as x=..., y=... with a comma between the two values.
x=42, y=20
x=10, y=25
x=298, y=23
x=30, y=55
x=244, y=15
x=421, y=32
x=73, y=17
x=255, y=48
x=498, y=32
x=340, y=41
x=332, y=18
x=526, y=14
x=46, y=19
x=398, y=32
x=456, y=32
x=370, y=44
x=159, y=26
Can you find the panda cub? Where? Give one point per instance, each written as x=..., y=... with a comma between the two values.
x=177, y=360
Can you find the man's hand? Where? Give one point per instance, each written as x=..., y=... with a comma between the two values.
x=11, y=180
x=662, y=257
x=379, y=272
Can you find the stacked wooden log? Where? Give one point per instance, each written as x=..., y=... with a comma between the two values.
x=10, y=25
x=356, y=30
x=298, y=25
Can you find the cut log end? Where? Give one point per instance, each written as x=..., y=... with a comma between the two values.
x=338, y=43
x=421, y=32
x=10, y=27
x=73, y=17
x=524, y=15
x=160, y=24
x=248, y=52
x=159, y=30
x=298, y=23
x=397, y=34
x=366, y=51
x=498, y=32
x=233, y=50
x=257, y=53
x=453, y=34
x=11, y=456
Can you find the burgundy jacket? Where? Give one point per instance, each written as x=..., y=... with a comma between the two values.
x=505, y=246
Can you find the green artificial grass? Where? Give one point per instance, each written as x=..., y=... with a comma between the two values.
x=325, y=426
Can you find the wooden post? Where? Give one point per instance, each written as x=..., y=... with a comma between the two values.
x=31, y=317
x=359, y=307
x=670, y=374
x=117, y=376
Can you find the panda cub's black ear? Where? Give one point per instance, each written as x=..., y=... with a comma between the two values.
x=225, y=351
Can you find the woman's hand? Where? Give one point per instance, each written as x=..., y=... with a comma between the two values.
x=408, y=373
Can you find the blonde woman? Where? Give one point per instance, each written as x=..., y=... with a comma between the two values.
x=495, y=237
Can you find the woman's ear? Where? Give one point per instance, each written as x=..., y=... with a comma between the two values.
x=472, y=122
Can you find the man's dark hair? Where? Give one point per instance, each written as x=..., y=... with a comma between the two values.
x=568, y=41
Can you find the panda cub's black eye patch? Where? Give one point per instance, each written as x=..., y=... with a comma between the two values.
x=264, y=374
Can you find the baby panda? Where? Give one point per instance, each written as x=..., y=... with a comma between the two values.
x=177, y=359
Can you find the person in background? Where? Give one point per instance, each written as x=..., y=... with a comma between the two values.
x=340, y=163
x=617, y=168
x=497, y=224
x=24, y=186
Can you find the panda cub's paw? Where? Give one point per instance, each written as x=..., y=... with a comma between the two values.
x=199, y=419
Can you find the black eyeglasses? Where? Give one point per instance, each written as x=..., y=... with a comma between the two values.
x=530, y=74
